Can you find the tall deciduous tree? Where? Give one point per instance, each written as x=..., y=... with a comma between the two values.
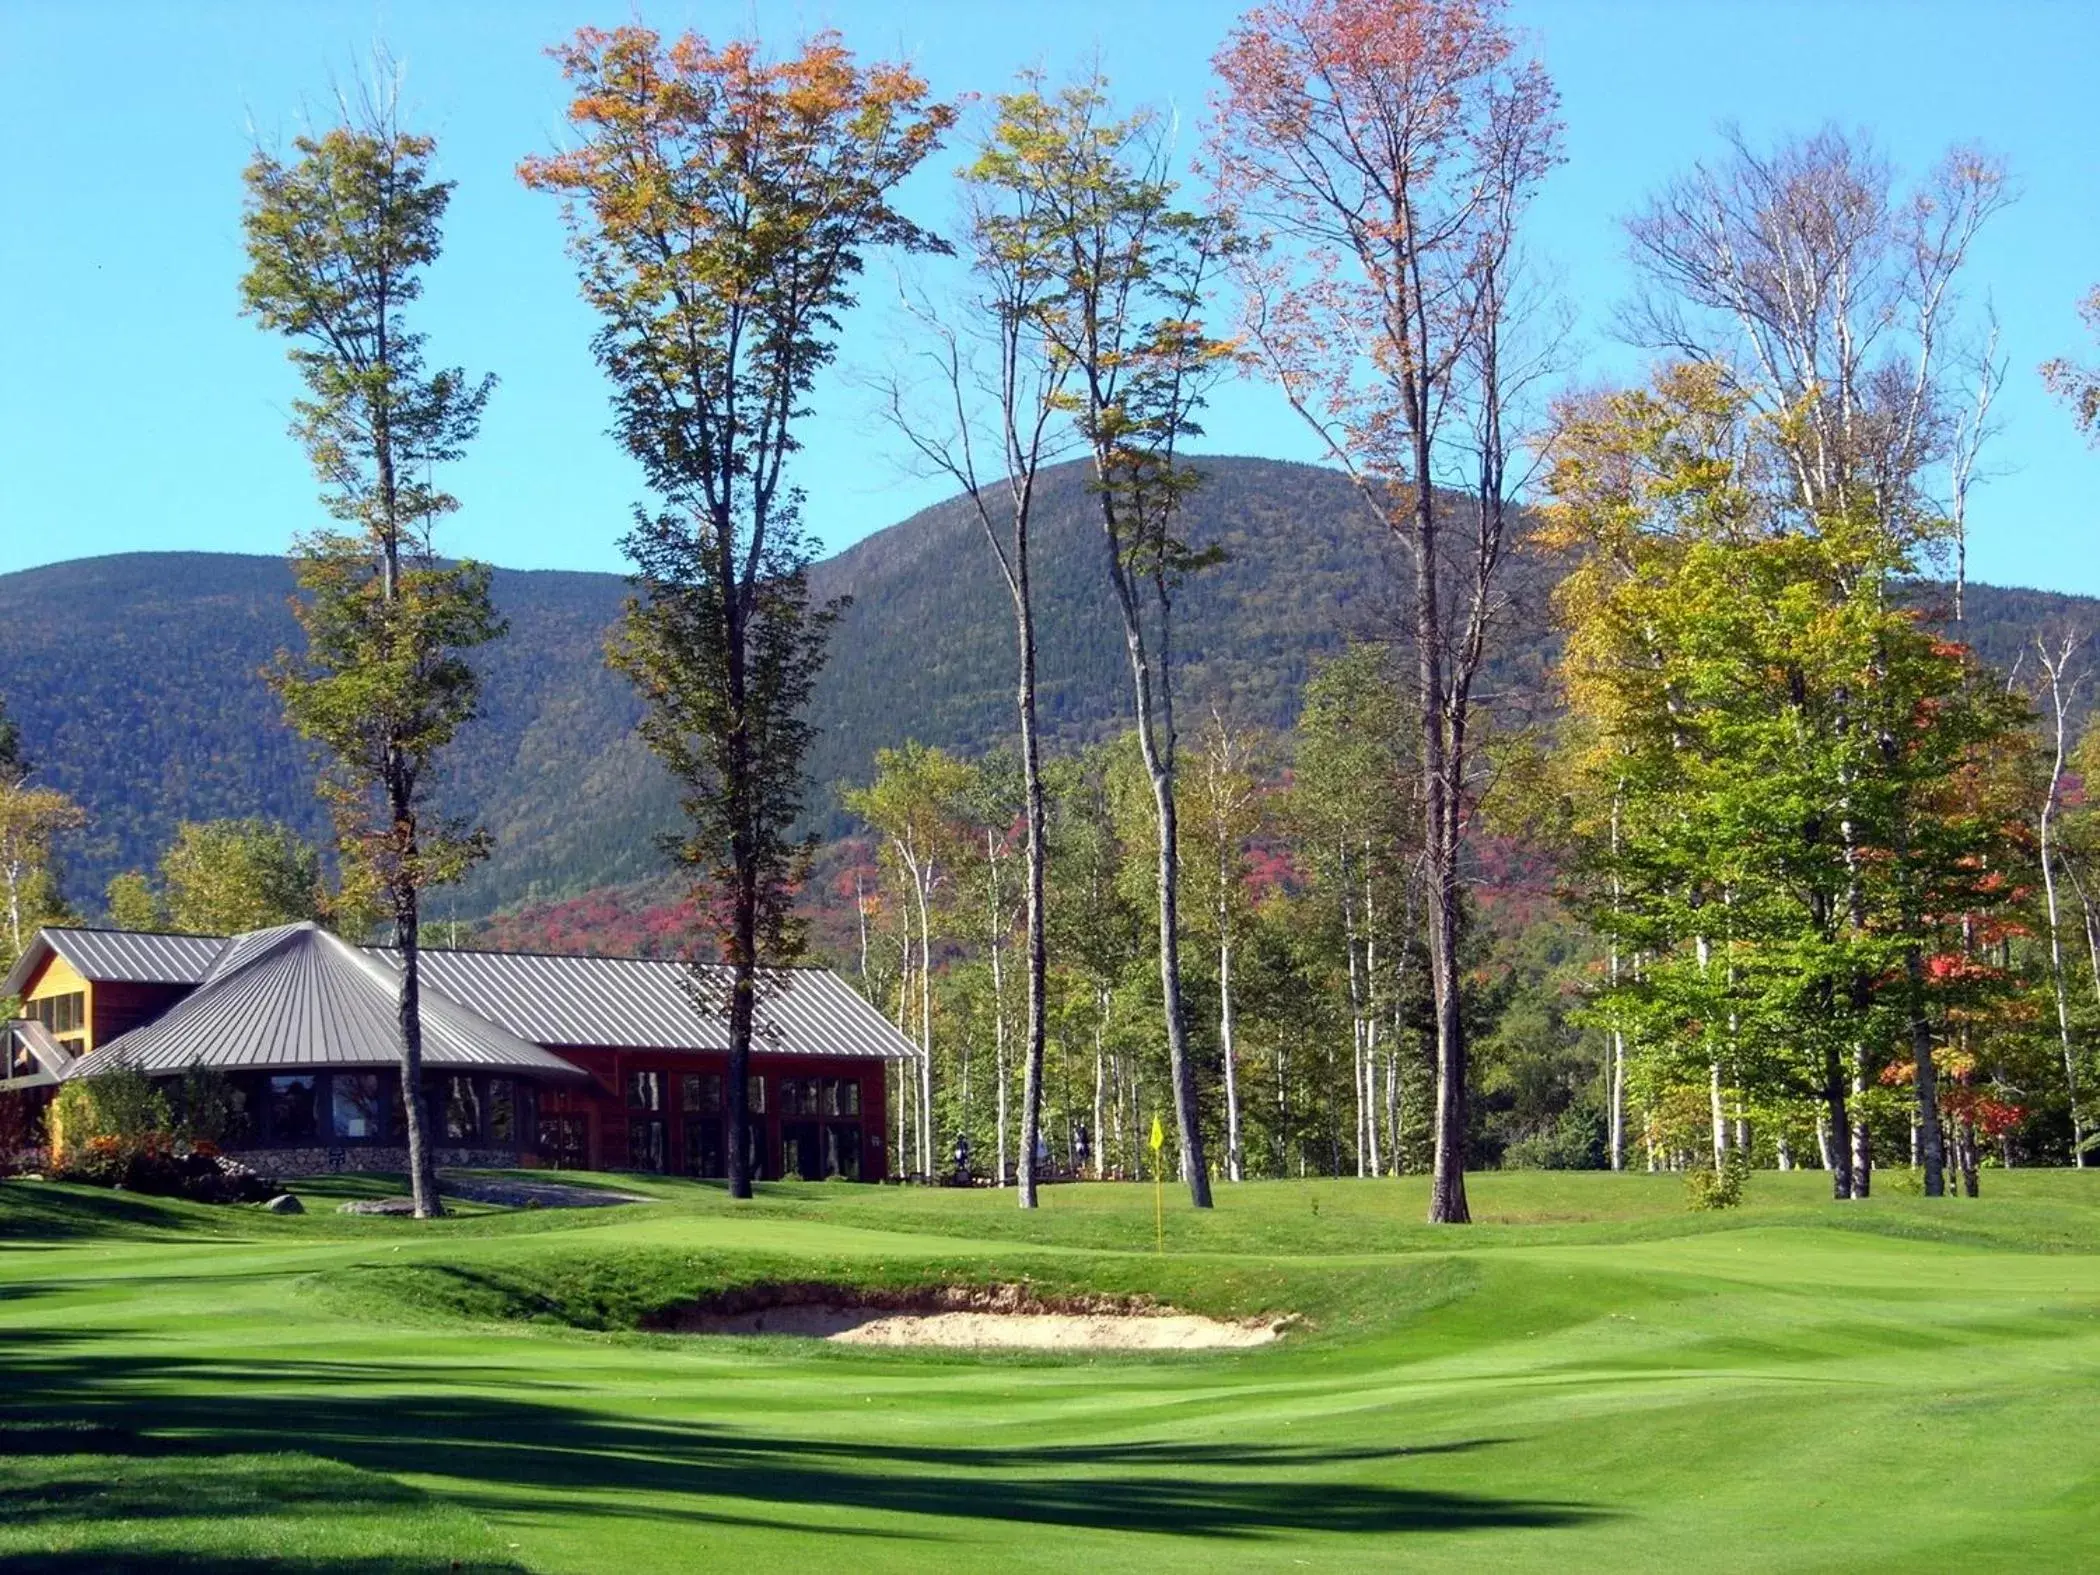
x=1379, y=156
x=338, y=240
x=1784, y=758
x=131, y=902
x=1835, y=294
x=1093, y=207
x=720, y=204
x=985, y=415
x=2077, y=383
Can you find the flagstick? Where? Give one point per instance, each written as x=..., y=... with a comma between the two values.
x=1159, y=1201
x=1159, y=1183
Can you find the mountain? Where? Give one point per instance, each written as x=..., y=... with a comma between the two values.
x=135, y=679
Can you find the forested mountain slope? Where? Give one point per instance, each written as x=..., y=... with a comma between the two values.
x=136, y=679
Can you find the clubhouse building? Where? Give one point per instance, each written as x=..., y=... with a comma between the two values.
x=609, y=1063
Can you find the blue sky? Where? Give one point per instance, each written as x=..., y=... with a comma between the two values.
x=138, y=411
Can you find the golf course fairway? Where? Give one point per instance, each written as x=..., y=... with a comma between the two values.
x=1590, y=1377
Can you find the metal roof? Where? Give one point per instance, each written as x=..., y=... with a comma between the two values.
x=289, y=996
x=634, y=1003
x=297, y=998
x=118, y=956
x=48, y=1058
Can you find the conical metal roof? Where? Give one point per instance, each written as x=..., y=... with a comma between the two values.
x=297, y=997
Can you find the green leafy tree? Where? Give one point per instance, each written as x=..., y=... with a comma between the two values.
x=1355, y=808
x=918, y=804
x=981, y=408
x=720, y=205
x=1095, y=210
x=31, y=821
x=1788, y=758
x=338, y=239
x=224, y=877
x=132, y=903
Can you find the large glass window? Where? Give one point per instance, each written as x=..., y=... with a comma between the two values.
x=355, y=1104
x=645, y=1144
x=294, y=1116
x=842, y=1152
x=462, y=1110
x=798, y=1096
x=645, y=1090
x=503, y=1112
x=841, y=1096
x=801, y=1151
x=700, y=1093
x=565, y=1141
x=705, y=1154
x=62, y=1014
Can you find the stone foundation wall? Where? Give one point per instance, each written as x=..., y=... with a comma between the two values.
x=284, y=1162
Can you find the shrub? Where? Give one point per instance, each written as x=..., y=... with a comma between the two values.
x=1575, y=1141
x=117, y=1130
x=121, y=1103
x=157, y=1168
x=1705, y=1188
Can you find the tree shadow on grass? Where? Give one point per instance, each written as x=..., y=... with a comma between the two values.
x=36, y=1211
x=390, y=1418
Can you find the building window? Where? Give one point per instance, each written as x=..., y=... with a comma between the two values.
x=841, y=1096
x=294, y=1116
x=705, y=1154
x=62, y=1014
x=645, y=1144
x=645, y=1090
x=842, y=1152
x=462, y=1110
x=565, y=1141
x=355, y=1103
x=798, y=1096
x=700, y=1093
x=755, y=1094
x=503, y=1112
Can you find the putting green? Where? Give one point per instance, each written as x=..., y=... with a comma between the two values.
x=1590, y=1378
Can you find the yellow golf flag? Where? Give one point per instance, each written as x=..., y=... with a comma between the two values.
x=1159, y=1134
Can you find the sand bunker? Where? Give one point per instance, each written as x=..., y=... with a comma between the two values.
x=964, y=1317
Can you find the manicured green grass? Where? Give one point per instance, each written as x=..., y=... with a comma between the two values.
x=1590, y=1378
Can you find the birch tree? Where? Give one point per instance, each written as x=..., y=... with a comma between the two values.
x=2060, y=687
x=1228, y=801
x=720, y=205
x=917, y=804
x=1830, y=295
x=1379, y=157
